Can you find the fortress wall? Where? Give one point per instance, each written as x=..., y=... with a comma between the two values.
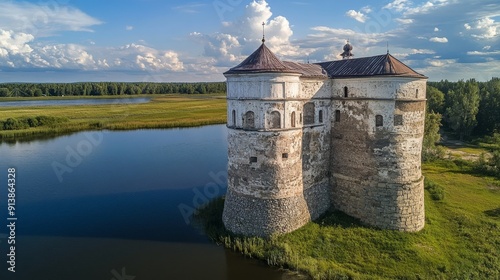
x=315, y=88
x=376, y=172
x=265, y=191
x=353, y=166
x=316, y=168
x=263, y=86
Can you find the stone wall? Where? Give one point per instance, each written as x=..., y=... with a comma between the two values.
x=353, y=144
x=376, y=166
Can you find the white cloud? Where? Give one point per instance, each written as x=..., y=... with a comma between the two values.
x=440, y=62
x=484, y=28
x=486, y=47
x=44, y=18
x=483, y=53
x=436, y=29
x=12, y=43
x=18, y=50
x=129, y=27
x=140, y=57
x=404, y=20
x=397, y=5
x=239, y=38
x=439, y=39
x=356, y=15
x=366, y=9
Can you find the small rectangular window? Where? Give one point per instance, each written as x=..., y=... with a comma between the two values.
x=379, y=120
x=398, y=120
x=284, y=155
x=337, y=115
x=253, y=159
x=320, y=116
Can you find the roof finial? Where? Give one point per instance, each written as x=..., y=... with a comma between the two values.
x=387, y=47
x=347, y=51
x=263, y=33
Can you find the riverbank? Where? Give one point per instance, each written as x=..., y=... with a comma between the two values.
x=164, y=111
x=460, y=239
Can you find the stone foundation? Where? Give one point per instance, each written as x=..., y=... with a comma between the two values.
x=263, y=217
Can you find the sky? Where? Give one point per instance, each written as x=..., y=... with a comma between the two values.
x=197, y=41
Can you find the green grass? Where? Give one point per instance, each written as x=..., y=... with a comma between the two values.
x=161, y=112
x=461, y=239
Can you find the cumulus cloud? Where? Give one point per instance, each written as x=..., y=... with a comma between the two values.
x=19, y=51
x=484, y=28
x=359, y=16
x=397, y=5
x=439, y=39
x=13, y=44
x=239, y=38
x=44, y=18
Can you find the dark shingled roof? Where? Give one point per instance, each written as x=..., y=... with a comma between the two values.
x=385, y=64
x=263, y=60
x=307, y=70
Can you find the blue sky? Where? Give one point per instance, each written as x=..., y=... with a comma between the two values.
x=153, y=40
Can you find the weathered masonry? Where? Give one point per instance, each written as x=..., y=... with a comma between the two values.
x=306, y=137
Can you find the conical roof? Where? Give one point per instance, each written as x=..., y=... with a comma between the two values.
x=263, y=60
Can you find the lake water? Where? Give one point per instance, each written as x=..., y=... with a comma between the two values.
x=106, y=205
x=74, y=102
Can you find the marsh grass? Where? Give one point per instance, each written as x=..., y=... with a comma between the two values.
x=461, y=239
x=161, y=112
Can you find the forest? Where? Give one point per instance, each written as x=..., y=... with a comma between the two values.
x=107, y=88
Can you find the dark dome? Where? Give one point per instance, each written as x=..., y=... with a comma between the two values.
x=347, y=47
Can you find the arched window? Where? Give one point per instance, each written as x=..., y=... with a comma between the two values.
x=275, y=120
x=293, y=119
x=309, y=113
x=320, y=116
x=233, y=118
x=249, y=120
x=379, y=120
x=337, y=115
x=346, y=92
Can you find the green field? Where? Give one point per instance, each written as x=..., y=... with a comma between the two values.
x=461, y=239
x=161, y=112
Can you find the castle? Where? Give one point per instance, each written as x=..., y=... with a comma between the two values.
x=303, y=138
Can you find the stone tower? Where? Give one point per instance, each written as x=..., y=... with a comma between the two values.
x=305, y=137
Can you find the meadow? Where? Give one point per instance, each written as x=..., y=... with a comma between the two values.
x=165, y=111
x=461, y=238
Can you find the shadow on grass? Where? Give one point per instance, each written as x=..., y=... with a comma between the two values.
x=338, y=218
x=495, y=213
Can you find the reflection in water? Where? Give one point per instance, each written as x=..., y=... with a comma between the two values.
x=117, y=209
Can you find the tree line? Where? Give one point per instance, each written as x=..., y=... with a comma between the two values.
x=107, y=88
x=468, y=109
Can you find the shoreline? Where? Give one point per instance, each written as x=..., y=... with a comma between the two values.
x=160, y=112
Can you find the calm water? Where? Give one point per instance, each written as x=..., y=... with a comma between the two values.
x=104, y=205
x=73, y=102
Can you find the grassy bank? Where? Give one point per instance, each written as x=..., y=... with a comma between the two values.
x=160, y=112
x=461, y=239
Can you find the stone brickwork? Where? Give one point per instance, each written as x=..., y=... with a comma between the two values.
x=299, y=146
